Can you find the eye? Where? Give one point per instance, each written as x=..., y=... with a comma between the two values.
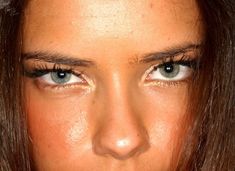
x=61, y=77
x=171, y=71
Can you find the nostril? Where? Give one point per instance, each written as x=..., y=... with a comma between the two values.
x=120, y=148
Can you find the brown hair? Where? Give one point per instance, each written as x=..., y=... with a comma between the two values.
x=13, y=143
x=211, y=146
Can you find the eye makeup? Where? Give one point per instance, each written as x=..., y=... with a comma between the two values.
x=55, y=76
x=172, y=71
x=167, y=72
x=43, y=69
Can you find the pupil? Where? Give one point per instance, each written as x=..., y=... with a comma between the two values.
x=61, y=74
x=169, y=68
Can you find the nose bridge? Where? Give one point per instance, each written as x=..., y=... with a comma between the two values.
x=121, y=133
x=117, y=90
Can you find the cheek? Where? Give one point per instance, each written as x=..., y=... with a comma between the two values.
x=58, y=127
x=165, y=110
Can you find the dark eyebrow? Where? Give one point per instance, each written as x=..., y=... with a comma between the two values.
x=56, y=58
x=171, y=52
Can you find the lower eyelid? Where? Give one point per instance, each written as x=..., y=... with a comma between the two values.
x=165, y=84
x=41, y=84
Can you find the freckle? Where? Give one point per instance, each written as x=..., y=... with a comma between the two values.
x=48, y=146
x=151, y=5
x=142, y=15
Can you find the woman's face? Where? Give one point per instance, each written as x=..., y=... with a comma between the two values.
x=106, y=81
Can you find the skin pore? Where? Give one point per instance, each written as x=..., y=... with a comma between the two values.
x=101, y=83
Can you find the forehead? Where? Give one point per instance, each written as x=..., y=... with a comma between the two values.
x=86, y=23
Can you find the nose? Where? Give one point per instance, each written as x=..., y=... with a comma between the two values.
x=121, y=133
x=121, y=140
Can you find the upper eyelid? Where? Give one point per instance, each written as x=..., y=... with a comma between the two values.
x=184, y=59
x=189, y=63
x=191, y=54
x=49, y=67
x=33, y=73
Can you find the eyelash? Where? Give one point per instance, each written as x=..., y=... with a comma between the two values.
x=43, y=69
x=192, y=63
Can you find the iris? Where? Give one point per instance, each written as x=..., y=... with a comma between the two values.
x=60, y=77
x=169, y=70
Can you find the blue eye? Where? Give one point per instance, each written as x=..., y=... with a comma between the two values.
x=61, y=77
x=172, y=71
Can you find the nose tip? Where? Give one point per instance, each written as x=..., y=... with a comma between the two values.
x=120, y=144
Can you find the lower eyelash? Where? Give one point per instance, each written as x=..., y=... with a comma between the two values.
x=161, y=83
x=58, y=87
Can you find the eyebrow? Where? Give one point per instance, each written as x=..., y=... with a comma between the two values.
x=56, y=58
x=170, y=52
